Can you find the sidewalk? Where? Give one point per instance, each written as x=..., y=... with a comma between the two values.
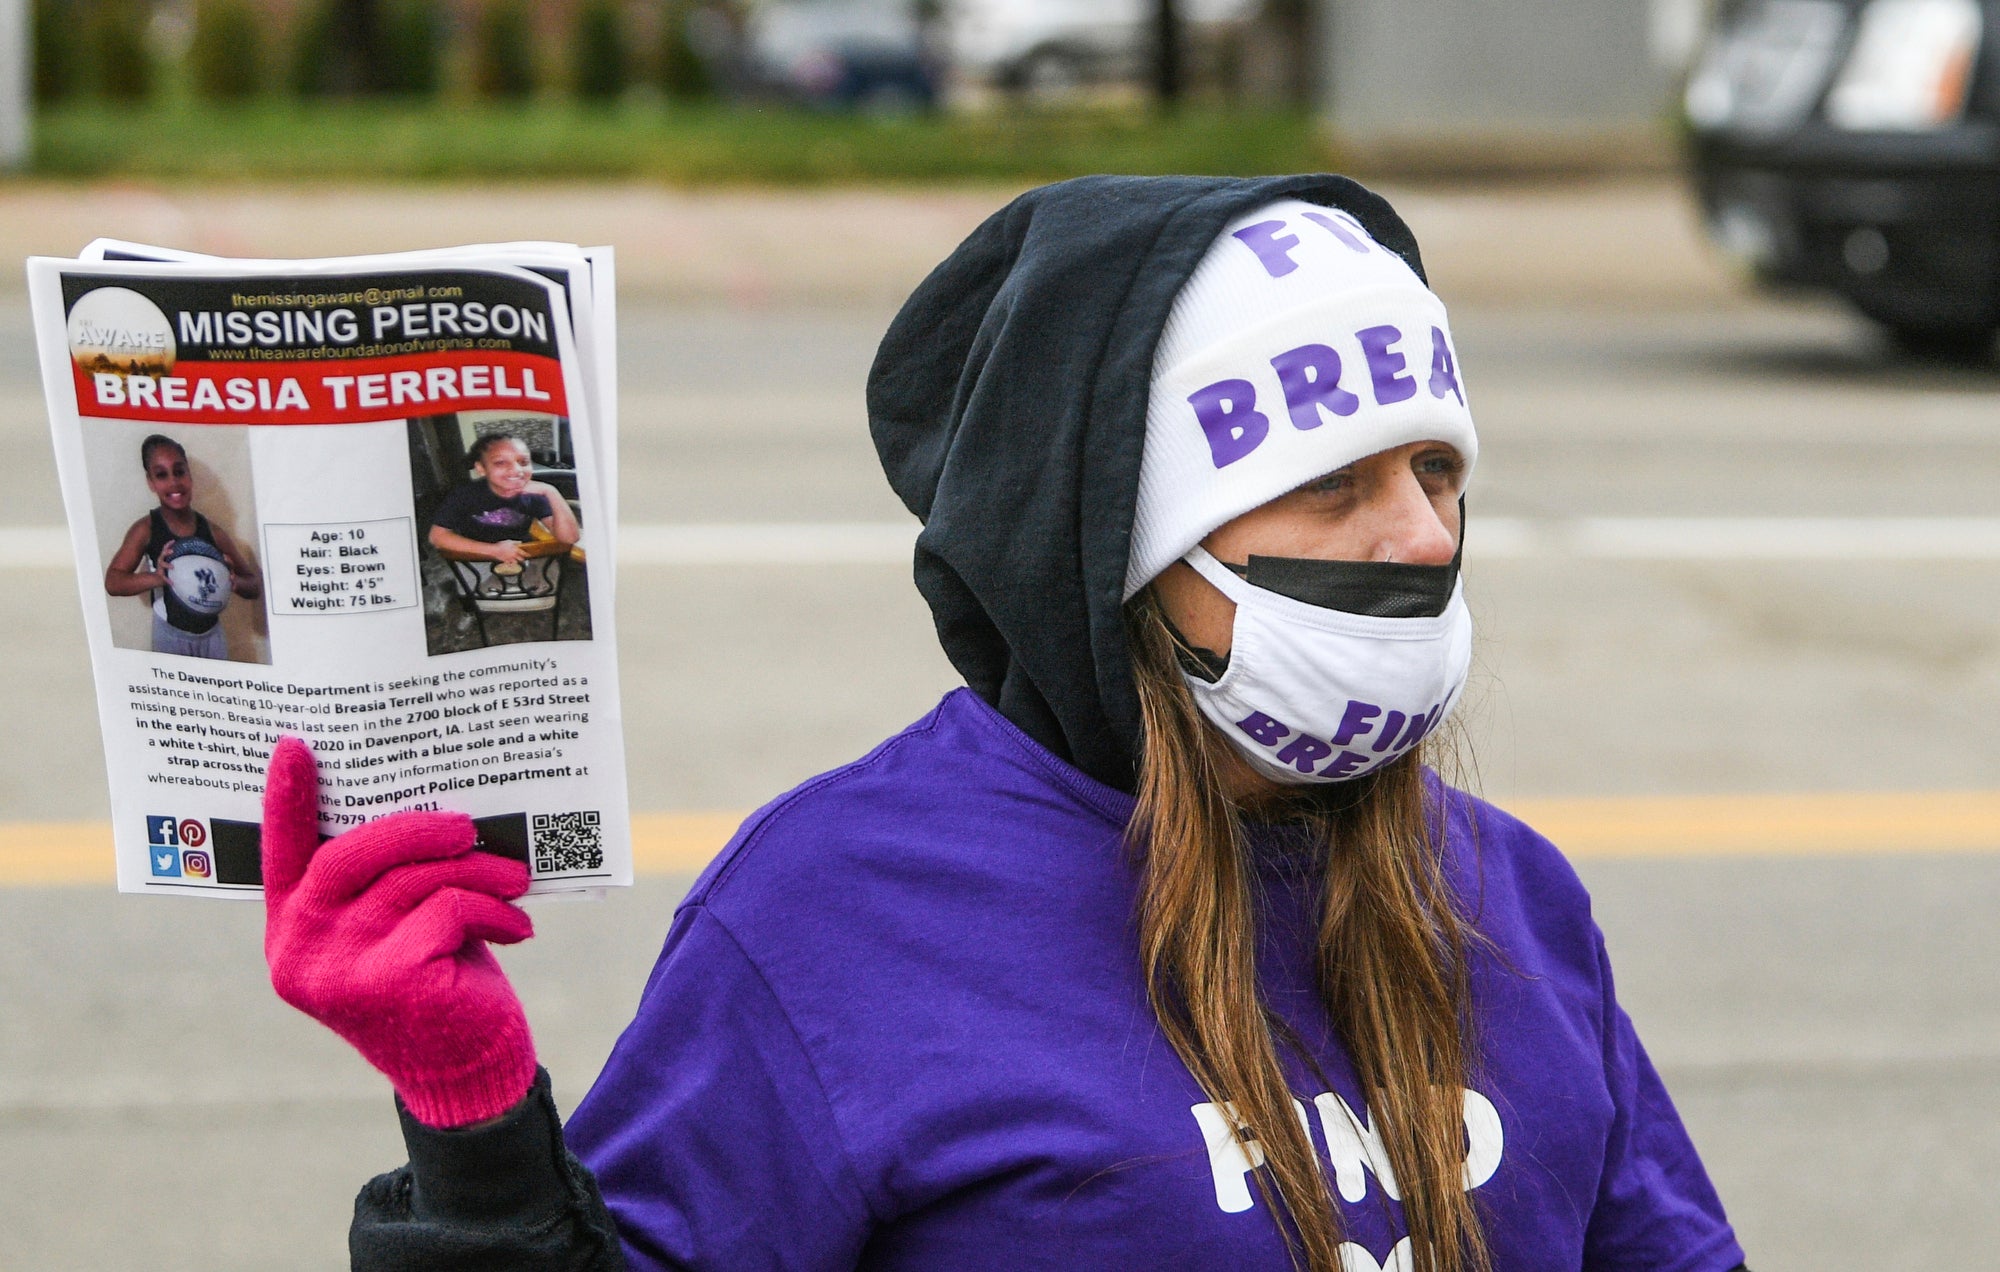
x=1624, y=241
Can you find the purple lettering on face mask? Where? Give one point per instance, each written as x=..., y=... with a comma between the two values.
x=1303, y=752
x=1354, y=721
x=1387, y=737
x=1228, y=414
x=1343, y=764
x=1444, y=368
x=1272, y=244
x=1386, y=365
x=1262, y=728
x=1336, y=224
x=1420, y=726
x=1310, y=375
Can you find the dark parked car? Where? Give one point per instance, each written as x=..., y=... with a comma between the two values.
x=843, y=54
x=1853, y=146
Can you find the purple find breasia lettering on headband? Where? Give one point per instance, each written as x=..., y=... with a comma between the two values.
x=1309, y=377
x=1273, y=242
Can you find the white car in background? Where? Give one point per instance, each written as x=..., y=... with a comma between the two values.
x=1042, y=46
x=1853, y=146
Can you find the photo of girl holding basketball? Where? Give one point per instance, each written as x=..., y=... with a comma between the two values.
x=187, y=601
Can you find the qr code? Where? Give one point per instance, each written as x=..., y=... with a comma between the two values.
x=566, y=842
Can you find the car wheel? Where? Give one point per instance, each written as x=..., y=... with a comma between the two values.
x=1968, y=343
x=1047, y=74
x=888, y=99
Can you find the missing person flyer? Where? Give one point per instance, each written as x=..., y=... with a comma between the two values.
x=361, y=502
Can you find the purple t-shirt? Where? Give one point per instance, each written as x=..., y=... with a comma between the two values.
x=473, y=510
x=900, y=1024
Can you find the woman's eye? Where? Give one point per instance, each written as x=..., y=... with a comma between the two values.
x=1440, y=465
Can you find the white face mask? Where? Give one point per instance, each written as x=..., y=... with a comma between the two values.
x=1319, y=695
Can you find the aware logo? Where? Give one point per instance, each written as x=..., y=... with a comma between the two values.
x=117, y=331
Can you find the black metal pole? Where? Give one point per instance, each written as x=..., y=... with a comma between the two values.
x=359, y=23
x=1294, y=20
x=1166, y=53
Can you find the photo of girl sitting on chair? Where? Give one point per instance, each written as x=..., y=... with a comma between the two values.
x=489, y=517
x=506, y=536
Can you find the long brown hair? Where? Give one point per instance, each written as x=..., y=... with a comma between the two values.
x=1391, y=966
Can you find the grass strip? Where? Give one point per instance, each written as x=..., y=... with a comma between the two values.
x=679, y=145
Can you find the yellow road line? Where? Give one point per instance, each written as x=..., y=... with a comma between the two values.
x=43, y=854
x=679, y=843
x=52, y=854
x=1752, y=825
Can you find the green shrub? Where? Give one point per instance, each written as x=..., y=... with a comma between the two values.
x=117, y=33
x=62, y=51
x=317, y=61
x=394, y=48
x=225, y=57
x=504, y=50
x=92, y=47
x=412, y=47
x=597, y=52
x=684, y=76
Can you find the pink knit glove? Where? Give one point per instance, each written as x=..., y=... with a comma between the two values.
x=381, y=933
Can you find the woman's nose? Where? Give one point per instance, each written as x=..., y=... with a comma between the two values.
x=1413, y=531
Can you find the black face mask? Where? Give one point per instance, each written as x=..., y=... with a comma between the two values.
x=1377, y=589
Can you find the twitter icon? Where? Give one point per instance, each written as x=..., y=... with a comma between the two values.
x=166, y=863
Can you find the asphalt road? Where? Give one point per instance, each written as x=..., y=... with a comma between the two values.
x=1830, y=1025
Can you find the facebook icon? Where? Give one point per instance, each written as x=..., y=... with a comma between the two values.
x=163, y=838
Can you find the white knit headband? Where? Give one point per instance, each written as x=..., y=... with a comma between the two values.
x=1298, y=346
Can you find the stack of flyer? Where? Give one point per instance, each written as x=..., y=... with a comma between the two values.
x=370, y=502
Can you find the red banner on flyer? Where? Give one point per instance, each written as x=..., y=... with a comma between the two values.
x=332, y=391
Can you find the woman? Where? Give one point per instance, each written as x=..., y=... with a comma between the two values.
x=1155, y=947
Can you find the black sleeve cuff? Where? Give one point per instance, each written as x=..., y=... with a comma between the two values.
x=513, y=1170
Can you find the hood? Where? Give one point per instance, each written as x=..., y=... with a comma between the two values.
x=1008, y=404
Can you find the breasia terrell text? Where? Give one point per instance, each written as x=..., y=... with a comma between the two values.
x=262, y=394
